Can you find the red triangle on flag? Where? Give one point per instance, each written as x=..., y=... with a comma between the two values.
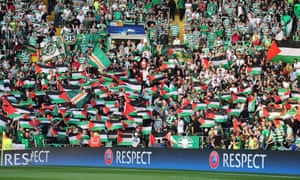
x=119, y=138
x=128, y=109
x=273, y=51
x=210, y=115
x=8, y=107
x=163, y=67
x=91, y=125
x=171, y=51
x=64, y=96
x=205, y=62
x=152, y=140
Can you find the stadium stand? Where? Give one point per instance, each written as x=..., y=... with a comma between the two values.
x=133, y=73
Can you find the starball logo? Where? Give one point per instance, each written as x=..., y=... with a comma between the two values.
x=214, y=159
x=108, y=157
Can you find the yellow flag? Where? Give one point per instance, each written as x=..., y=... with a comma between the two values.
x=6, y=142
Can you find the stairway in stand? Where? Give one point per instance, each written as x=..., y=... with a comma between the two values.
x=50, y=18
x=180, y=24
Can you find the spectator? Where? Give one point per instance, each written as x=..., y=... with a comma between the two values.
x=39, y=139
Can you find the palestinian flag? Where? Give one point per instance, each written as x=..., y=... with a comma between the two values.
x=57, y=97
x=44, y=84
x=234, y=112
x=197, y=106
x=39, y=68
x=61, y=68
x=133, y=86
x=111, y=103
x=153, y=138
x=295, y=95
x=103, y=137
x=220, y=61
x=247, y=90
x=84, y=125
x=214, y=103
x=251, y=104
x=78, y=75
x=16, y=94
x=218, y=117
x=272, y=114
x=283, y=93
x=198, y=86
x=96, y=126
x=129, y=108
x=12, y=109
x=205, y=63
x=124, y=139
x=79, y=114
x=75, y=140
x=146, y=130
x=98, y=59
x=184, y=112
x=58, y=133
x=253, y=70
x=26, y=103
x=156, y=77
x=43, y=120
x=72, y=121
x=225, y=97
x=207, y=122
x=167, y=65
x=286, y=52
x=289, y=114
x=239, y=98
x=136, y=119
x=28, y=123
x=28, y=84
x=113, y=125
x=129, y=124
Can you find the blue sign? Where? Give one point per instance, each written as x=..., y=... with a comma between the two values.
x=129, y=29
x=274, y=162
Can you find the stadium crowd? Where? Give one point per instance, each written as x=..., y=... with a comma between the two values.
x=217, y=84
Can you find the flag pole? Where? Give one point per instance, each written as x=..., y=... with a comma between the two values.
x=2, y=155
x=2, y=149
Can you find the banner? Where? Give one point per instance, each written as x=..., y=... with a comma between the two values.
x=185, y=142
x=273, y=162
x=53, y=48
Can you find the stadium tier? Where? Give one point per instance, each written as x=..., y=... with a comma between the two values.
x=199, y=74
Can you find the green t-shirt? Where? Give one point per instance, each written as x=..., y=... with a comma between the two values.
x=26, y=142
x=117, y=15
x=19, y=136
x=265, y=133
x=148, y=6
x=39, y=138
x=180, y=4
x=155, y=2
x=237, y=143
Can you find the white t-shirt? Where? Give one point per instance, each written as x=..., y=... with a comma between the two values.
x=176, y=42
x=80, y=17
x=180, y=126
